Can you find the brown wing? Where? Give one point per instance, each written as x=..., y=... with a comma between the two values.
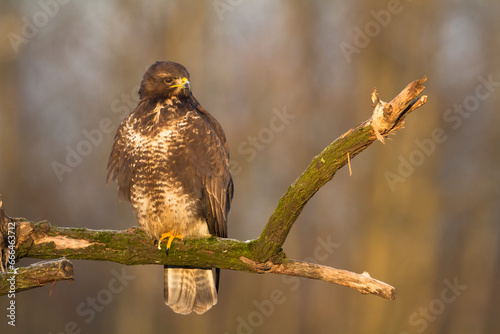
x=218, y=188
x=119, y=163
x=217, y=196
x=212, y=158
x=214, y=124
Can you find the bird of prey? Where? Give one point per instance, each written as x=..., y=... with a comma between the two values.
x=170, y=160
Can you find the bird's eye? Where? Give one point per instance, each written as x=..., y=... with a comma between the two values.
x=168, y=80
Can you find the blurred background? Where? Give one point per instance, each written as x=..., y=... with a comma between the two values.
x=284, y=78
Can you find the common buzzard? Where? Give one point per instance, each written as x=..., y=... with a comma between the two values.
x=171, y=161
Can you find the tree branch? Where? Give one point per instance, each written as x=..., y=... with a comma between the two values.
x=133, y=247
x=263, y=255
x=361, y=282
x=386, y=118
x=130, y=247
x=36, y=275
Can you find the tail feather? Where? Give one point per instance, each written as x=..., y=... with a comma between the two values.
x=187, y=290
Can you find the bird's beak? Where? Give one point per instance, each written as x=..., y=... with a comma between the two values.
x=184, y=84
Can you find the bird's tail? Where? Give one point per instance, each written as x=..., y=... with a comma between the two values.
x=187, y=290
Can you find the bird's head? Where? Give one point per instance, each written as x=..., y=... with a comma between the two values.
x=165, y=79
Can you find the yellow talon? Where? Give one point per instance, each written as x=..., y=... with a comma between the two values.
x=171, y=236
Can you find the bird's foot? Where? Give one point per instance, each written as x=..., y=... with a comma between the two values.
x=170, y=236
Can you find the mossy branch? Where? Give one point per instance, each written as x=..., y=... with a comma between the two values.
x=36, y=275
x=386, y=118
x=263, y=255
x=133, y=247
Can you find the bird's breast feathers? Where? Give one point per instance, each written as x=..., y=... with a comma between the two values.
x=166, y=149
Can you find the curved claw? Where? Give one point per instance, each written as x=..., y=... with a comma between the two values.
x=171, y=236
